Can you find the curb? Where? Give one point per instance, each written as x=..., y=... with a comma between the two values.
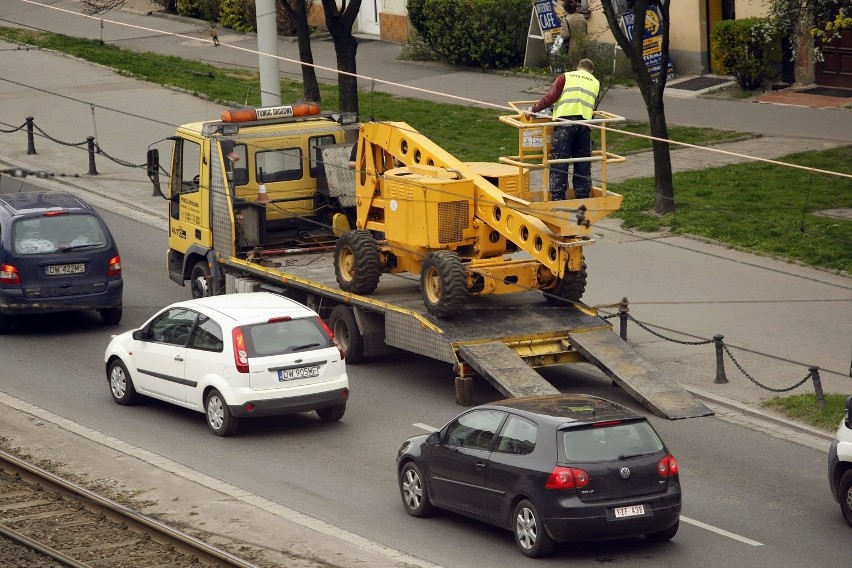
x=759, y=414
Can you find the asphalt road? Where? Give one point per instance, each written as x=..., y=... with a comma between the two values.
x=751, y=499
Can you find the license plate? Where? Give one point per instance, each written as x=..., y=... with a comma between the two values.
x=634, y=511
x=63, y=269
x=298, y=373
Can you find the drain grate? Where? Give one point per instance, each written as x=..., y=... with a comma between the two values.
x=828, y=92
x=698, y=83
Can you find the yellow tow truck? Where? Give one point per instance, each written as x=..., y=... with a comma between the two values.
x=467, y=263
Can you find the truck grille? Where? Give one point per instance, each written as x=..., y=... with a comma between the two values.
x=452, y=221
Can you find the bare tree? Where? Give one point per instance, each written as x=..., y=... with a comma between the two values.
x=339, y=22
x=297, y=12
x=652, y=90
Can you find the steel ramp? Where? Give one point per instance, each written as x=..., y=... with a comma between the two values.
x=505, y=370
x=642, y=380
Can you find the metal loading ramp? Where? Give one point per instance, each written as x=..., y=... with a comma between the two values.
x=505, y=370
x=643, y=381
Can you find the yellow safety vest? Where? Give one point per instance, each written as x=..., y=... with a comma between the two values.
x=578, y=96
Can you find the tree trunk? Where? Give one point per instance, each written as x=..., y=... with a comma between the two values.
x=339, y=22
x=297, y=11
x=652, y=92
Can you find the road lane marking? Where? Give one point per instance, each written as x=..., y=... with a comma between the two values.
x=722, y=532
x=425, y=427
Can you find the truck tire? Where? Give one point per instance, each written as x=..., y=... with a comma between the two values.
x=345, y=328
x=570, y=288
x=199, y=280
x=443, y=283
x=356, y=262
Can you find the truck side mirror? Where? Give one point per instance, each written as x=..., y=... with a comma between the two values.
x=153, y=169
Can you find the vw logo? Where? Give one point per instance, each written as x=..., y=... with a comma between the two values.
x=625, y=472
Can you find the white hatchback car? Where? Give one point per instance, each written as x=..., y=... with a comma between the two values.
x=232, y=356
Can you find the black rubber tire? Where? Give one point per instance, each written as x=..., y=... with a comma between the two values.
x=412, y=489
x=111, y=316
x=530, y=535
x=345, y=328
x=356, y=262
x=844, y=495
x=219, y=418
x=570, y=288
x=332, y=413
x=5, y=324
x=199, y=280
x=443, y=284
x=664, y=535
x=120, y=384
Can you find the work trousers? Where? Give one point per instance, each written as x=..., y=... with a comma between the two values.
x=572, y=141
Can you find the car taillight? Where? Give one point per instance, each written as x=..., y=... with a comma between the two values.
x=333, y=339
x=9, y=274
x=567, y=478
x=114, y=266
x=667, y=467
x=240, y=353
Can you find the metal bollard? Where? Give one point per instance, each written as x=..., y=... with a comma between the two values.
x=721, y=379
x=93, y=171
x=30, y=139
x=622, y=316
x=817, y=386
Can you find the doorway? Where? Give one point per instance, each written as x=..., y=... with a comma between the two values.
x=717, y=10
x=368, y=17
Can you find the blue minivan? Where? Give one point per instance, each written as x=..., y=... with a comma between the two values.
x=56, y=255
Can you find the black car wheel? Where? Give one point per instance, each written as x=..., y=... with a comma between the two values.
x=413, y=490
x=845, y=496
x=664, y=535
x=332, y=413
x=219, y=418
x=5, y=323
x=120, y=384
x=111, y=316
x=530, y=535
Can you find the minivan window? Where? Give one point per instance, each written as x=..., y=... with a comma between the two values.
x=285, y=336
x=614, y=442
x=57, y=233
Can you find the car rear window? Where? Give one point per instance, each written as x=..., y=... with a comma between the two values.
x=612, y=442
x=285, y=336
x=58, y=233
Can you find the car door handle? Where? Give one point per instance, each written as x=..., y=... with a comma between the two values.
x=479, y=466
x=178, y=358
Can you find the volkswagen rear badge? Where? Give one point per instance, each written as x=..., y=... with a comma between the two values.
x=625, y=472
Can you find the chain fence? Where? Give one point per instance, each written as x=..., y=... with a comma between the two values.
x=721, y=350
x=93, y=149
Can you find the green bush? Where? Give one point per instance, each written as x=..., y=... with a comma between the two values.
x=748, y=49
x=238, y=15
x=480, y=33
x=200, y=9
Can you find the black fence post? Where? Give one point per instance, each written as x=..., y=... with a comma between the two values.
x=93, y=171
x=622, y=316
x=817, y=386
x=30, y=138
x=721, y=379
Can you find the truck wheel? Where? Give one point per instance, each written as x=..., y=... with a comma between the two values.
x=443, y=283
x=570, y=288
x=356, y=262
x=199, y=280
x=345, y=329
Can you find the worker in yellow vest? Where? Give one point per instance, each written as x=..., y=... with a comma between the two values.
x=573, y=97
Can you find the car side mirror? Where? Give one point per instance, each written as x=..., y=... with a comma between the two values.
x=849, y=412
x=138, y=335
x=434, y=439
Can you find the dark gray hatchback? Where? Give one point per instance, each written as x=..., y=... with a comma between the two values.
x=56, y=254
x=550, y=468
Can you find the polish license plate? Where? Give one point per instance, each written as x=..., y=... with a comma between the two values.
x=64, y=269
x=298, y=373
x=634, y=511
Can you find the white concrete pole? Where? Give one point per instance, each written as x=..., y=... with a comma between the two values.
x=267, y=44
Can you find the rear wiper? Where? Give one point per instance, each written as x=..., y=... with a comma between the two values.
x=631, y=456
x=300, y=347
x=78, y=247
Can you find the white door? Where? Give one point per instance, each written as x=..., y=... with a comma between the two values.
x=368, y=17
